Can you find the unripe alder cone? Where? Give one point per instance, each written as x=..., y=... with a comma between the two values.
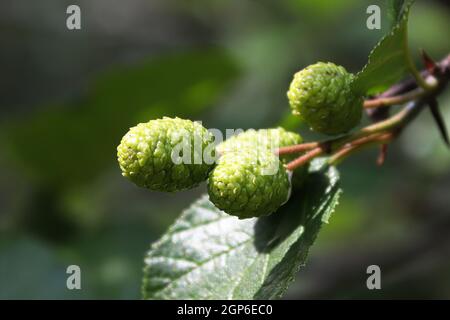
x=321, y=95
x=250, y=180
x=267, y=139
x=165, y=154
x=249, y=184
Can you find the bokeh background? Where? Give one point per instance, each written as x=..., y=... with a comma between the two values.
x=67, y=97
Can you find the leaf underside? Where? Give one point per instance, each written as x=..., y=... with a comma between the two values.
x=387, y=61
x=208, y=254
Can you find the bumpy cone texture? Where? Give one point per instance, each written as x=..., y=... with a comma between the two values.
x=146, y=154
x=249, y=184
x=267, y=140
x=321, y=95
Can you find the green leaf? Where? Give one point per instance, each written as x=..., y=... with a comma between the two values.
x=208, y=254
x=395, y=11
x=388, y=60
x=69, y=144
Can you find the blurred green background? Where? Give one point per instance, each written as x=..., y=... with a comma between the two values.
x=67, y=97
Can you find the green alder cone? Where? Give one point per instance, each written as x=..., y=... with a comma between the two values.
x=249, y=184
x=267, y=140
x=321, y=95
x=165, y=154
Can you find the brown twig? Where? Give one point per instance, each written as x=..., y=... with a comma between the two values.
x=378, y=138
x=394, y=100
x=300, y=161
x=382, y=155
x=297, y=148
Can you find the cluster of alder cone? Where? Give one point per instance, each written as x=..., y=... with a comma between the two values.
x=321, y=95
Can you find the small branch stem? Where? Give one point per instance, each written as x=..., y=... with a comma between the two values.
x=394, y=100
x=352, y=141
x=297, y=148
x=416, y=74
x=382, y=155
x=358, y=144
x=300, y=161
